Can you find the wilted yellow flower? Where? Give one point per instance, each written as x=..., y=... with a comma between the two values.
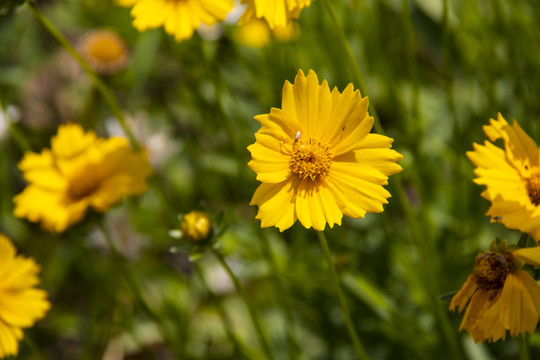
x=502, y=296
x=277, y=13
x=180, y=18
x=104, y=50
x=316, y=158
x=195, y=226
x=21, y=305
x=511, y=176
x=79, y=171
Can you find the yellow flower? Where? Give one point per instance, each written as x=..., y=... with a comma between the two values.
x=257, y=33
x=502, y=297
x=79, y=171
x=195, y=226
x=316, y=158
x=20, y=304
x=511, y=176
x=179, y=17
x=105, y=51
x=277, y=13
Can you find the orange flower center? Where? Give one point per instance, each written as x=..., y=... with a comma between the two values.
x=491, y=269
x=310, y=159
x=533, y=186
x=105, y=46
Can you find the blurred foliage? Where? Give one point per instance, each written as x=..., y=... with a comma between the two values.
x=436, y=71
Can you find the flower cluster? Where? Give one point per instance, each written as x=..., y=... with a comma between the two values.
x=501, y=296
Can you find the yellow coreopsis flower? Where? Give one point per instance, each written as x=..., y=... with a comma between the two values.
x=316, y=158
x=180, y=18
x=511, y=176
x=79, y=171
x=21, y=305
x=277, y=13
x=502, y=296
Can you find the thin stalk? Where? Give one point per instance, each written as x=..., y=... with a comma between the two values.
x=360, y=352
x=283, y=298
x=523, y=344
x=352, y=63
x=417, y=123
x=252, y=313
x=100, y=85
x=221, y=311
x=136, y=291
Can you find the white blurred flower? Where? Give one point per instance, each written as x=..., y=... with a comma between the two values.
x=7, y=115
x=159, y=145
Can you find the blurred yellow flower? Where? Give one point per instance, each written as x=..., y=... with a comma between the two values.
x=21, y=305
x=180, y=18
x=104, y=50
x=277, y=13
x=195, y=226
x=502, y=296
x=316, y=158
x=511, y=176
x=257, y=33
x=79, y=171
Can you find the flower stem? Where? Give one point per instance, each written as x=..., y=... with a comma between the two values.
x=282, y=298
x=136, y=291
x=360, y=352
x=252, y=313
x=523, y=343
x=100, y=85
x=352, y=63
x=221, y=311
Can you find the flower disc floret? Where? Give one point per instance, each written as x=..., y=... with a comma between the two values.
x=310, y=159
x=491, y=269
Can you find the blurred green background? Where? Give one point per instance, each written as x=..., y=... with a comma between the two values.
x=435, y=71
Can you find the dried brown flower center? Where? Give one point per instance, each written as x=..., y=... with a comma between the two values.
x=533, y=186
x=310, y=159
x=491, y=269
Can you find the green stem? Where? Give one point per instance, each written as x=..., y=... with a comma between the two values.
x=360, y=352
x=352, y=63
x=219, y=306
x=523, y=343
x=252, y=313
x=417, y=124
x=100, y=85
x=283, y=298
x=136, y=291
